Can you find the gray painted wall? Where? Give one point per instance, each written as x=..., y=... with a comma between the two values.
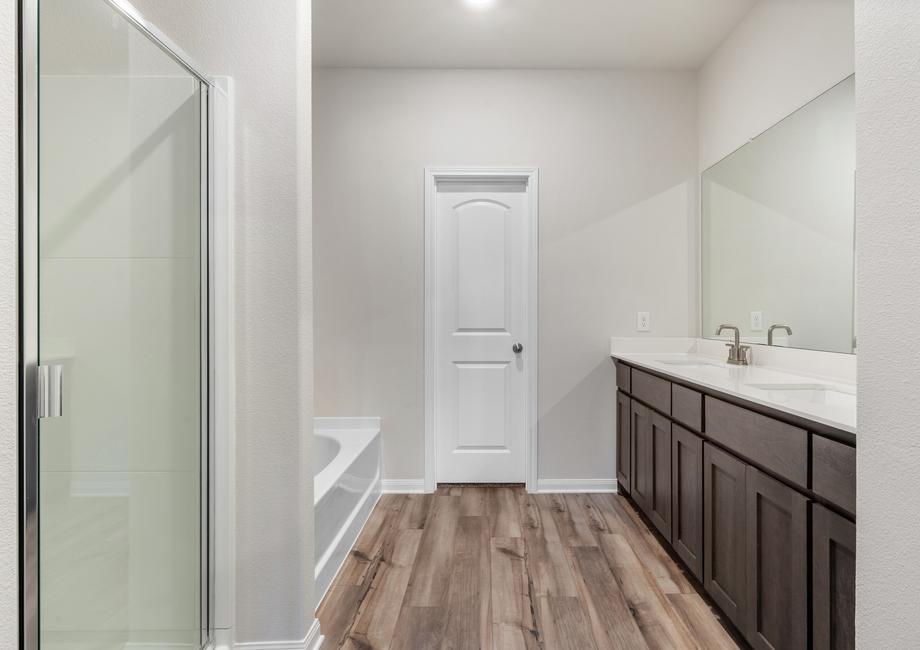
x=888, y=306
x=782, y=55
x=617, y=153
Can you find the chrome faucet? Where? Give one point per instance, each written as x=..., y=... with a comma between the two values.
x=777, y=327
x=737, y=353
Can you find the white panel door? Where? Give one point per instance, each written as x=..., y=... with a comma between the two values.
x=481, y=305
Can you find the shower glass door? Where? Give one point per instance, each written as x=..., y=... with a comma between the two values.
x=121, y=293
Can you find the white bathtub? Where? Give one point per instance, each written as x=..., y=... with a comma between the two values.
x=346, y=486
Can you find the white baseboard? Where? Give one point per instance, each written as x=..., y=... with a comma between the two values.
x=314, y=637
x=544, y=485
x=582, y=485
x=403, y=486
x=312, y=641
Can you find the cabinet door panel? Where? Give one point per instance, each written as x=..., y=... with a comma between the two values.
x=833, y=580
x=724, y=566
x=624, y=459
x=641, y=428
x=777, y=564
x=660, y=502
x=687, y=498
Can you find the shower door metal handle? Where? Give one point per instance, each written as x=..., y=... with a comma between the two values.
x=50, y=391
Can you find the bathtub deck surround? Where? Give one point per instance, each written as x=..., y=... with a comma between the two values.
x=346, y=487
x=501, y=568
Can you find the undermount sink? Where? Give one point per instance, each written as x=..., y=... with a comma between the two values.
x=814, y=393
x=690, y=363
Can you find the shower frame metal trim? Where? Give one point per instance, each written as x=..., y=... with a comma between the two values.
x=166, y=44
x=28, y=50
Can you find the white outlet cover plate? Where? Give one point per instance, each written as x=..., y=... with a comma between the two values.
x=756, y=321
x=643, y=322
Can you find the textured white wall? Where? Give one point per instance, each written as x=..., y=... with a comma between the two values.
x=783, y=54
x=9, y=595
x=888, y=307
x=617, y=157
x=267, y=54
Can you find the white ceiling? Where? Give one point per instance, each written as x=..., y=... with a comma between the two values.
x=521, y=33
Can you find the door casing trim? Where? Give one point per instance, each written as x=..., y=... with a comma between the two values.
x=530, y=176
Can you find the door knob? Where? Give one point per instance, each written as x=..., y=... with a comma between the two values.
x=517, y=348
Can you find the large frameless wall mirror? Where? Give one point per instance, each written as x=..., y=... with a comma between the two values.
x=115, y=333
x=778, y=231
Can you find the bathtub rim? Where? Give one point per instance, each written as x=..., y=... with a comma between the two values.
x=361, y=432
x=355, y=436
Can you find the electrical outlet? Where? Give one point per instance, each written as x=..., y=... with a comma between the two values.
x=756, y=321
x=643, y=322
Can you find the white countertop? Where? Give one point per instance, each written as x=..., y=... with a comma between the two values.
x=828, y=401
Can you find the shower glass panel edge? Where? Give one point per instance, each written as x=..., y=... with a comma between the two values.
x=29, y=143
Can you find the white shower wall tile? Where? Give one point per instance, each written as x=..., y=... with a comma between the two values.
x=137, y=194
x=127, y=334
x=127, y=543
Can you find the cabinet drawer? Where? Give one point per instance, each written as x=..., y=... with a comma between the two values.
x=623, y=377
x=652, y=390
x=777, y=446
x=687, y=406
x=833, y=472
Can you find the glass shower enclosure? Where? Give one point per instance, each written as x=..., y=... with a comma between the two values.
x=115, y=332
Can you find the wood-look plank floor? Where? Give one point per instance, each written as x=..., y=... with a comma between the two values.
x=478, y=567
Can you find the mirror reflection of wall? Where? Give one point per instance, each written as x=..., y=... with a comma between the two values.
x=778, y=230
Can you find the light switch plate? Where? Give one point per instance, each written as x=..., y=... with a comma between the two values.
x=756, y=321
x=643, y=322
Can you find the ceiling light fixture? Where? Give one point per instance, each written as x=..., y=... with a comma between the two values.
x=480, y=4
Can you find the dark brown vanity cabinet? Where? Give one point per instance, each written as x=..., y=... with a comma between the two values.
x=687, y=498
x=755, y=504
x=724, y=528
x=623, y=441
x=833, y=568
x=776, y=553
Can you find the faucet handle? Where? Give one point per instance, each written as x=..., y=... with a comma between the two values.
x=744, y=355
x=732, y=352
